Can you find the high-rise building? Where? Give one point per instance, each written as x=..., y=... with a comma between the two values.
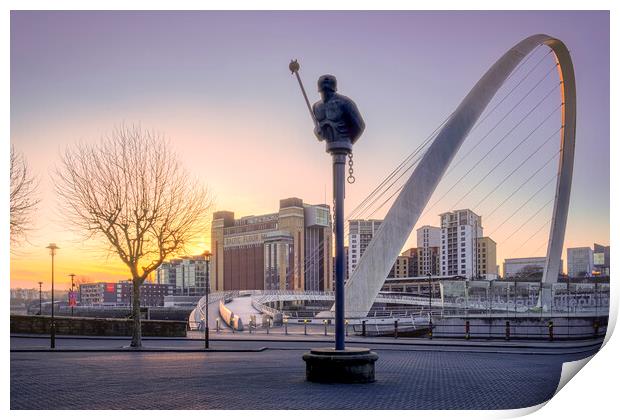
x=580, y=261
x=429, y=244
x=361, y=233
x=487, y=258
x=601, y=259
x=287, y=250
x=189, y=275
x=460, y=231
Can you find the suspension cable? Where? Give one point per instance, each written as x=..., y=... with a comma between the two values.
x=532, y=236
x=524, y=204
x=509, y=154
x=529, y=219
x=509, y=112
x=489, y=151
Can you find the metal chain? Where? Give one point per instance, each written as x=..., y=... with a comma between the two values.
x=350, y=178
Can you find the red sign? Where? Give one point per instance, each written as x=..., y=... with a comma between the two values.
x=110, y=287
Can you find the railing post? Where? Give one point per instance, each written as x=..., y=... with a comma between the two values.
x=550, y=326
x=596, y=326
x=396, y=328
x=507, y=337
x=364, y=328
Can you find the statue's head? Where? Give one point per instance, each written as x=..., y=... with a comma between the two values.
x=327, y=83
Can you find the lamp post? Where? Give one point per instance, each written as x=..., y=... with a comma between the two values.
x=40, y=299
x=207, y=256
x=52, y=247
x=430, y=288
x=71, y=297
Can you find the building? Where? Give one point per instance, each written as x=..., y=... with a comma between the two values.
x=429, y=245
x=412, y=256
x=601, y=260
x=528, y=267
x=120, y=294
x=361, y=233
x=580, y=261
x=487, y=258
x=318, y=248
x=189, y=275
x=287, y=250
x=346, y=263
x=400, y=269
x=460, y=231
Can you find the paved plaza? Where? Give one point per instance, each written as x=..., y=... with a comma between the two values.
x=257, y=374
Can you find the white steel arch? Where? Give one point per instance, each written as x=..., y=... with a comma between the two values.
x=376, y=262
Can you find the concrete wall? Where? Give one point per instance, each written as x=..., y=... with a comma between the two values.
x=531, y=328
x=27, y=324
x=154, y=313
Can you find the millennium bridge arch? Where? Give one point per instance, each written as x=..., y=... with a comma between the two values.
x=374, y=265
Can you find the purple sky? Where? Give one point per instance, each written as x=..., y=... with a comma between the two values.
x=217, y=84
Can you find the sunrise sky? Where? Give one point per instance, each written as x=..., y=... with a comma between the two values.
x=217, y=84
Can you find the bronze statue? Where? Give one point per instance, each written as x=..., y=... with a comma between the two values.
x=337, y=117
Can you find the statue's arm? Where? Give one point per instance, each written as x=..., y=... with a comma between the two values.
x=317, y=129
x=356, y=121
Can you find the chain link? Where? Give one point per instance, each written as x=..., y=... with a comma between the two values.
x=350, y=178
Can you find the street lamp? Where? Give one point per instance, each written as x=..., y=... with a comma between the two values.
x=52, y=247
x=429, y=293
x=71, y=296
x=207, y=256
x=40, y=299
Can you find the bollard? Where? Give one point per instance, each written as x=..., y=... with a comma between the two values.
x=285, y=326
x=325, y=326
x=550, y=325
x=217, y=325
x=268, y=325
x=396, y=328
x=305, y=327
x=507, y=337
x=346, y=327
x=364, y=328
x=430, y=329
x=467, y=330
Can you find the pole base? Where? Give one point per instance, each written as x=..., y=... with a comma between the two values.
x=352, y=365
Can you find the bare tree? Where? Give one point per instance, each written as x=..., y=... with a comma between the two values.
x=130, y=191
x=23, y=197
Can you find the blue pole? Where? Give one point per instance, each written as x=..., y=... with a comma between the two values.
x=339, y=160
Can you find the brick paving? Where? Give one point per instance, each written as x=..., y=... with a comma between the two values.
x=274, y=379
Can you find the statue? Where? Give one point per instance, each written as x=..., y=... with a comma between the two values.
x=338, y=121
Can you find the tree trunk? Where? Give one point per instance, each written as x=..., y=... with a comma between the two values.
x=136, y=340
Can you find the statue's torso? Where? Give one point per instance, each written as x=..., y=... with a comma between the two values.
x=332, y=119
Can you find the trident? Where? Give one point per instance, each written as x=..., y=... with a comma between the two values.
x=294, y=68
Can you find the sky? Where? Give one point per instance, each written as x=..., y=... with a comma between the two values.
x=218, y=85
